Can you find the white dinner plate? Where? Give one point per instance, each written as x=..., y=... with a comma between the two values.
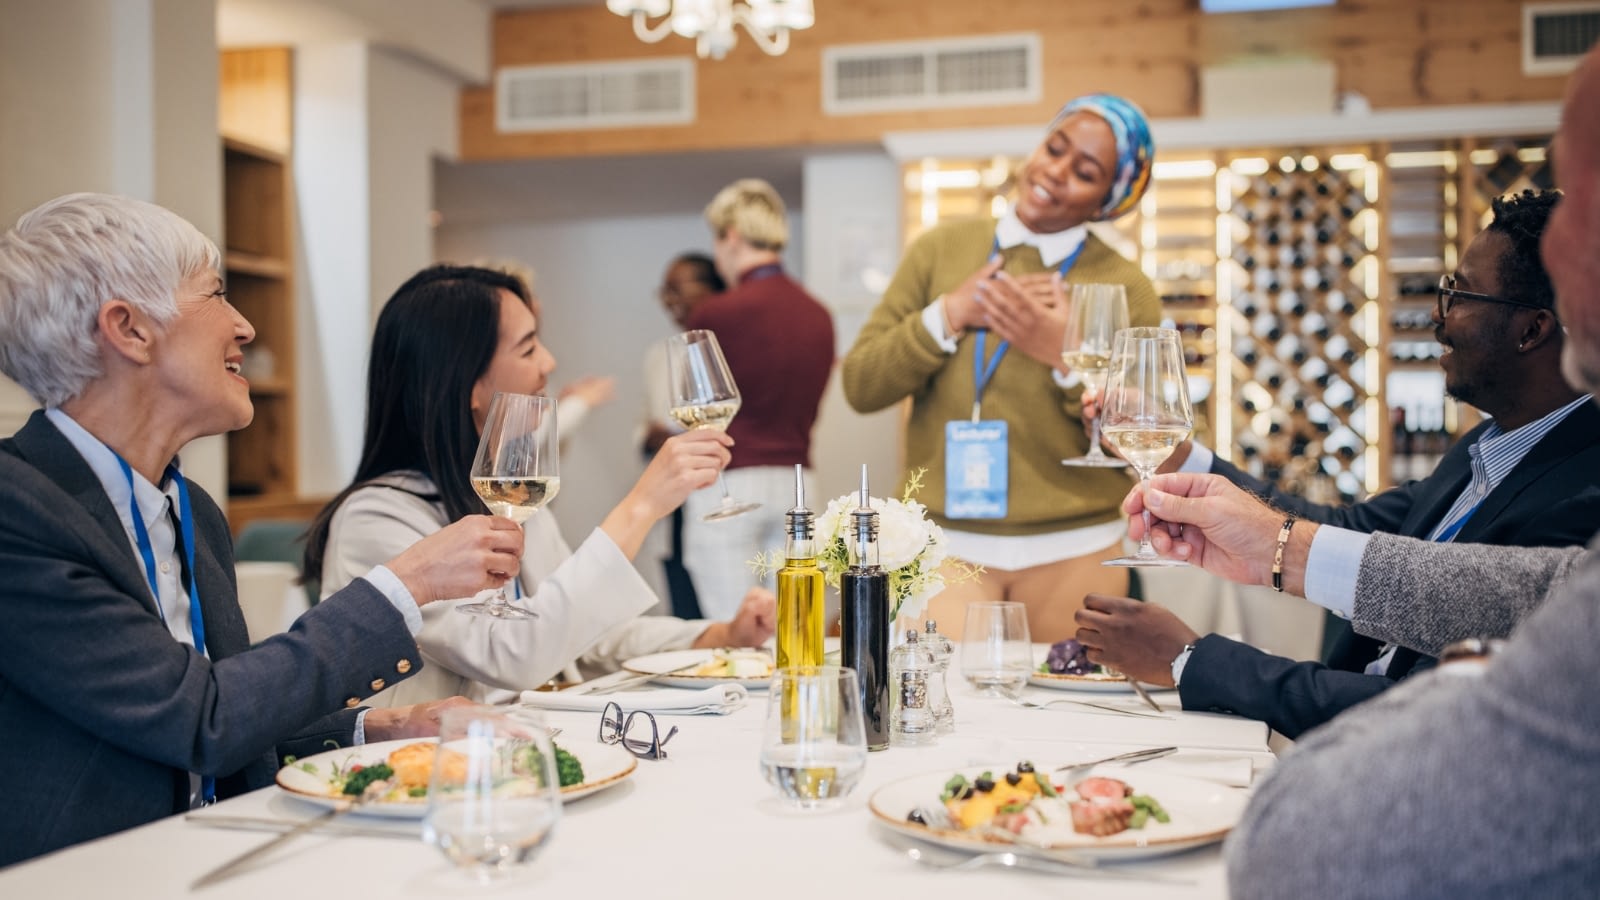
x=309, y=778
x=1202, y=812
x=673, y=660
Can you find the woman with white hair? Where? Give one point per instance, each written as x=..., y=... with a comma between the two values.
x=778, y=341
x=128, y=689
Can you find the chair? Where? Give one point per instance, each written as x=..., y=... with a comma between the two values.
x=276, y=541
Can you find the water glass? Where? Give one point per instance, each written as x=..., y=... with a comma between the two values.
x=814, y=743
x=996, y=652
x=494, y=798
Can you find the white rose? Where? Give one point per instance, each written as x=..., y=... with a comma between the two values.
x=902, y=535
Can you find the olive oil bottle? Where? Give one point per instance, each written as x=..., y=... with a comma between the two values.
x=800, y=590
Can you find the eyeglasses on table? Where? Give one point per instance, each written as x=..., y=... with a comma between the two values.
x=618, y=728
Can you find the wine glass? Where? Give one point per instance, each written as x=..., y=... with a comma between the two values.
x=1097, y=313
x=1146, y=412
x=494, y=798
x=515, y=472
x=813, y=744
x=996, y=651
x=704, y=396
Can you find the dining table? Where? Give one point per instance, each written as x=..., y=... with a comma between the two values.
x=700, y=823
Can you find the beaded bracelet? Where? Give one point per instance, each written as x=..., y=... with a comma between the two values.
x=1277, y=557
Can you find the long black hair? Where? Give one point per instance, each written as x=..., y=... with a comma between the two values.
x=434, y=339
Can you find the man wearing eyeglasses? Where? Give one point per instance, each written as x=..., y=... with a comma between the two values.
x=1528, y=477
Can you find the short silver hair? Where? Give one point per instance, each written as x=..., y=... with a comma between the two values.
x=66, y=259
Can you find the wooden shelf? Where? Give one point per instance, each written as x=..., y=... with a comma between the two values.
x=246, y=148
x=277, y=386
x=241, y=262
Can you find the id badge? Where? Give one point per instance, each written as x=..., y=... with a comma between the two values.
x=975, y=476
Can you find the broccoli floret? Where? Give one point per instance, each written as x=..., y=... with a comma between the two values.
x=359, y=780
x=568, y=770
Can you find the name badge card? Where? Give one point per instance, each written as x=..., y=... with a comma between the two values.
x=975, y=475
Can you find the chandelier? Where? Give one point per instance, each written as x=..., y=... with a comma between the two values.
x=710, y=22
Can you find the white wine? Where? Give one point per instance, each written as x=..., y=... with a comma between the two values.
x=517, y=498
x=1087, y=361
x=813, y=776
x=706, y=415
x=1146, y=446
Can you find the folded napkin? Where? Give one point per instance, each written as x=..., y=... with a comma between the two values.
x=718, y=700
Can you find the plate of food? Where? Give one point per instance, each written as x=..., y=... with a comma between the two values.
x=703, y=668
x=1109, y=814
x=402, y=768
x=1066, y=667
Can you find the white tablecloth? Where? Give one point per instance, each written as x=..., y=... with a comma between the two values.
x=701, y=824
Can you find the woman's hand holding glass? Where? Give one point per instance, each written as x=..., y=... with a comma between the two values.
x=704, y=397
x=1097, y=313
x=1147, y=411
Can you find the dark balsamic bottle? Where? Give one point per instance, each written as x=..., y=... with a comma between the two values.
x=864, y=620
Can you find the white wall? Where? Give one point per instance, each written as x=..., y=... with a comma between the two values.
x=117, y=96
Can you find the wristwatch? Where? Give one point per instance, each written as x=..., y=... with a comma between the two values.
x=1474, y=648
x=1178, y=662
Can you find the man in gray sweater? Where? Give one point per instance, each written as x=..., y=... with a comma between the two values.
x=1478, y=780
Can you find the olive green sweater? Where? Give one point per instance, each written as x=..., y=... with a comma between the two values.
x=894, y=357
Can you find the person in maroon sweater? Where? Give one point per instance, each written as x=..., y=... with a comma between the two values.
x=778, y=341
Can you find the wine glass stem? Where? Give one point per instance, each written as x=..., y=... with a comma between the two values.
x=1094, y=440
x=727, y=498
x=1146, y=549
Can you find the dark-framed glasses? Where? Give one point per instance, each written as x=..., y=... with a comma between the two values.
x=629, y=730
x=1448, y=295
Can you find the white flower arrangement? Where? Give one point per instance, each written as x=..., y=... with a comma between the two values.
x=911, y=548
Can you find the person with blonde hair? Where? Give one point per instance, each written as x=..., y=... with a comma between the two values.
x=778, y=341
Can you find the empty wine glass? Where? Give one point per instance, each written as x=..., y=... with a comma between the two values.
x=1146, y=412
x=813, y=744
x=704, y=396
x=1097, y=313
x=494, y=798
x=996, y=652
x=515, y=472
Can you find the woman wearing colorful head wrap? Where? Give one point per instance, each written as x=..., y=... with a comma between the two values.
x=963, y=290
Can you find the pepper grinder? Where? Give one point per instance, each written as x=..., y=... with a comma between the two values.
x=944, y=714
x=911, y=719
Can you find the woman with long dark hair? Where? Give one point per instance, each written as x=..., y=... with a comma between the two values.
x=445, y=343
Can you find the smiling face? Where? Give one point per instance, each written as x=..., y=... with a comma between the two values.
x=1066, y=180
x=197, y=355
x=1479, y=338
x=681, y=289
x=520, y=365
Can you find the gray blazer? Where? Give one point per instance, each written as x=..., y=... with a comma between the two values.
x=102, y=713
x=1458, y=783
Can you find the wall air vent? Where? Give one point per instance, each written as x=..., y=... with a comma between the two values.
x=1556, y=35
x=595, y=95
x=941, y=74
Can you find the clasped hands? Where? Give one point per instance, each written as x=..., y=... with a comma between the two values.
x=1028, y=311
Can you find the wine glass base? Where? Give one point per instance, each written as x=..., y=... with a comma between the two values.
x=497, y=611
x=1151, y=561
x=1096, y=462
x=729, y=510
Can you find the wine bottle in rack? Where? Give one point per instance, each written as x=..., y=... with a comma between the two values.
x=1339, y=304
x=1291, y=304
x=1245, y=351
x=1269, y=373
x=1247, y=306
x=1292, y=395
x=1320, y=417
x=1291, y=348
x=1267, y=327
x=1340, y=395
x=1316, y=371
x=1342, y=443
x=1315, y=325
x=1245, y=258
x=1338, y=347
x=1272, y=282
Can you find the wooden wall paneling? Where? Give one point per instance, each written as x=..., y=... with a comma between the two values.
x=256, y=104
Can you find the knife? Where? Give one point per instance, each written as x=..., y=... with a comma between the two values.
x=269, y=823
x=237, y=864
x=1144, y=694
x=634, y=680
x=1133, y=757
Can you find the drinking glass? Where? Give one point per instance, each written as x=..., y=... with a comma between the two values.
x=704, y=396
x=515, y=472
x=1146, y=412
x=996, y=652
x=813, y=745
x=494, y=797
x=1097, y=313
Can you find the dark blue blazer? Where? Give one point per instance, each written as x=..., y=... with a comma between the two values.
x=1552, y=498
x=102, y=714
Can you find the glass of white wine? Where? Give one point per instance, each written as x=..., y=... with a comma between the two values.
x=704, y=396
x=814, y=743
x=1098, y=312
x=515, y=473
x=1146, y=412
x=494, y=797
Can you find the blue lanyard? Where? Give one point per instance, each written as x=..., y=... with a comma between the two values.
x=147, y=553
x=983, y=370
x=1450, y=532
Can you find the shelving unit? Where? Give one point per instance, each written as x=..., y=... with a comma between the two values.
x=259, y=259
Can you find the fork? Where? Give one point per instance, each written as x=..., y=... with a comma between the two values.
x=1033, y=704
x=1010, y=860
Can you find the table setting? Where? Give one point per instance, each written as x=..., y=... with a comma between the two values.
x=700, y=810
